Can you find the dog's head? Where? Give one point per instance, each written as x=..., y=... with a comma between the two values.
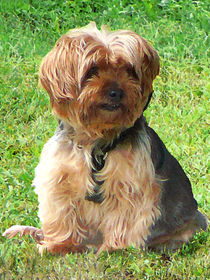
x=99, y=81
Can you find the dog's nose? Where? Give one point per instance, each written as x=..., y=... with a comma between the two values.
x=115, y=94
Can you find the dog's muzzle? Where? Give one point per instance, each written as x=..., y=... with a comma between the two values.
x=114, y=95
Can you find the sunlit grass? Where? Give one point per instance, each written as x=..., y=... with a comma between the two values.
x=178, y=112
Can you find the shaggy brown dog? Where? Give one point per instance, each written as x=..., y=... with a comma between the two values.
x=105, y=178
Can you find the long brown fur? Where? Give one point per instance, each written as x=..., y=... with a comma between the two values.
x=63, y=71
x=79, y=74
x=64, y=212
x=66, y=215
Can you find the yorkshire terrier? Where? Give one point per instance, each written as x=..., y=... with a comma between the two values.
x=105, y=179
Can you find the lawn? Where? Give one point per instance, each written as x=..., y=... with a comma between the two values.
x=178, y=112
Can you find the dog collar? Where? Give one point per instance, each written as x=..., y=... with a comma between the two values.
x=98, y=161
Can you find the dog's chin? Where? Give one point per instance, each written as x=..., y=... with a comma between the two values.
x=111, y=107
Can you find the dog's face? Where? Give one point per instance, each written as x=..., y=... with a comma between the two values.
x=99, y=81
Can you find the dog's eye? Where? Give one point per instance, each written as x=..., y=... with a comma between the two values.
x=92, y=72
x=132, y=72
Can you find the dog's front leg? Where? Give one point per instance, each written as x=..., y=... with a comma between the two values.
x=60, y=182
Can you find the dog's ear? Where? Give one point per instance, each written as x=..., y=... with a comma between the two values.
x=149, y=65
x=57, y=71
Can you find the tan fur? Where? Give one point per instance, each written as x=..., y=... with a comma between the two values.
x=63, y=71
x=131, y=190
x=63, y=176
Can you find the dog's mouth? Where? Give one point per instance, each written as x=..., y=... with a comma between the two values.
x=110, y=107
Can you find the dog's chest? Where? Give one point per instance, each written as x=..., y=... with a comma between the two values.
x=119, y=173
x=98, y=158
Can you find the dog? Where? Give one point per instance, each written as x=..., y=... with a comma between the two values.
x=105, y=179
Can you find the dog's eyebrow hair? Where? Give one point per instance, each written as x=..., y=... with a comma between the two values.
x=93, y=70
x=85, y=77
x=132, y=71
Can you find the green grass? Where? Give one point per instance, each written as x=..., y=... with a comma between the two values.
x=178, y=112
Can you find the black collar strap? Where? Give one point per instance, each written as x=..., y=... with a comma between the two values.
x=148, y=101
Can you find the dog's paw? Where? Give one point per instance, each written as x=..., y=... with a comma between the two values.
x=36, y=233
x=104, y=248
x=61, y=249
